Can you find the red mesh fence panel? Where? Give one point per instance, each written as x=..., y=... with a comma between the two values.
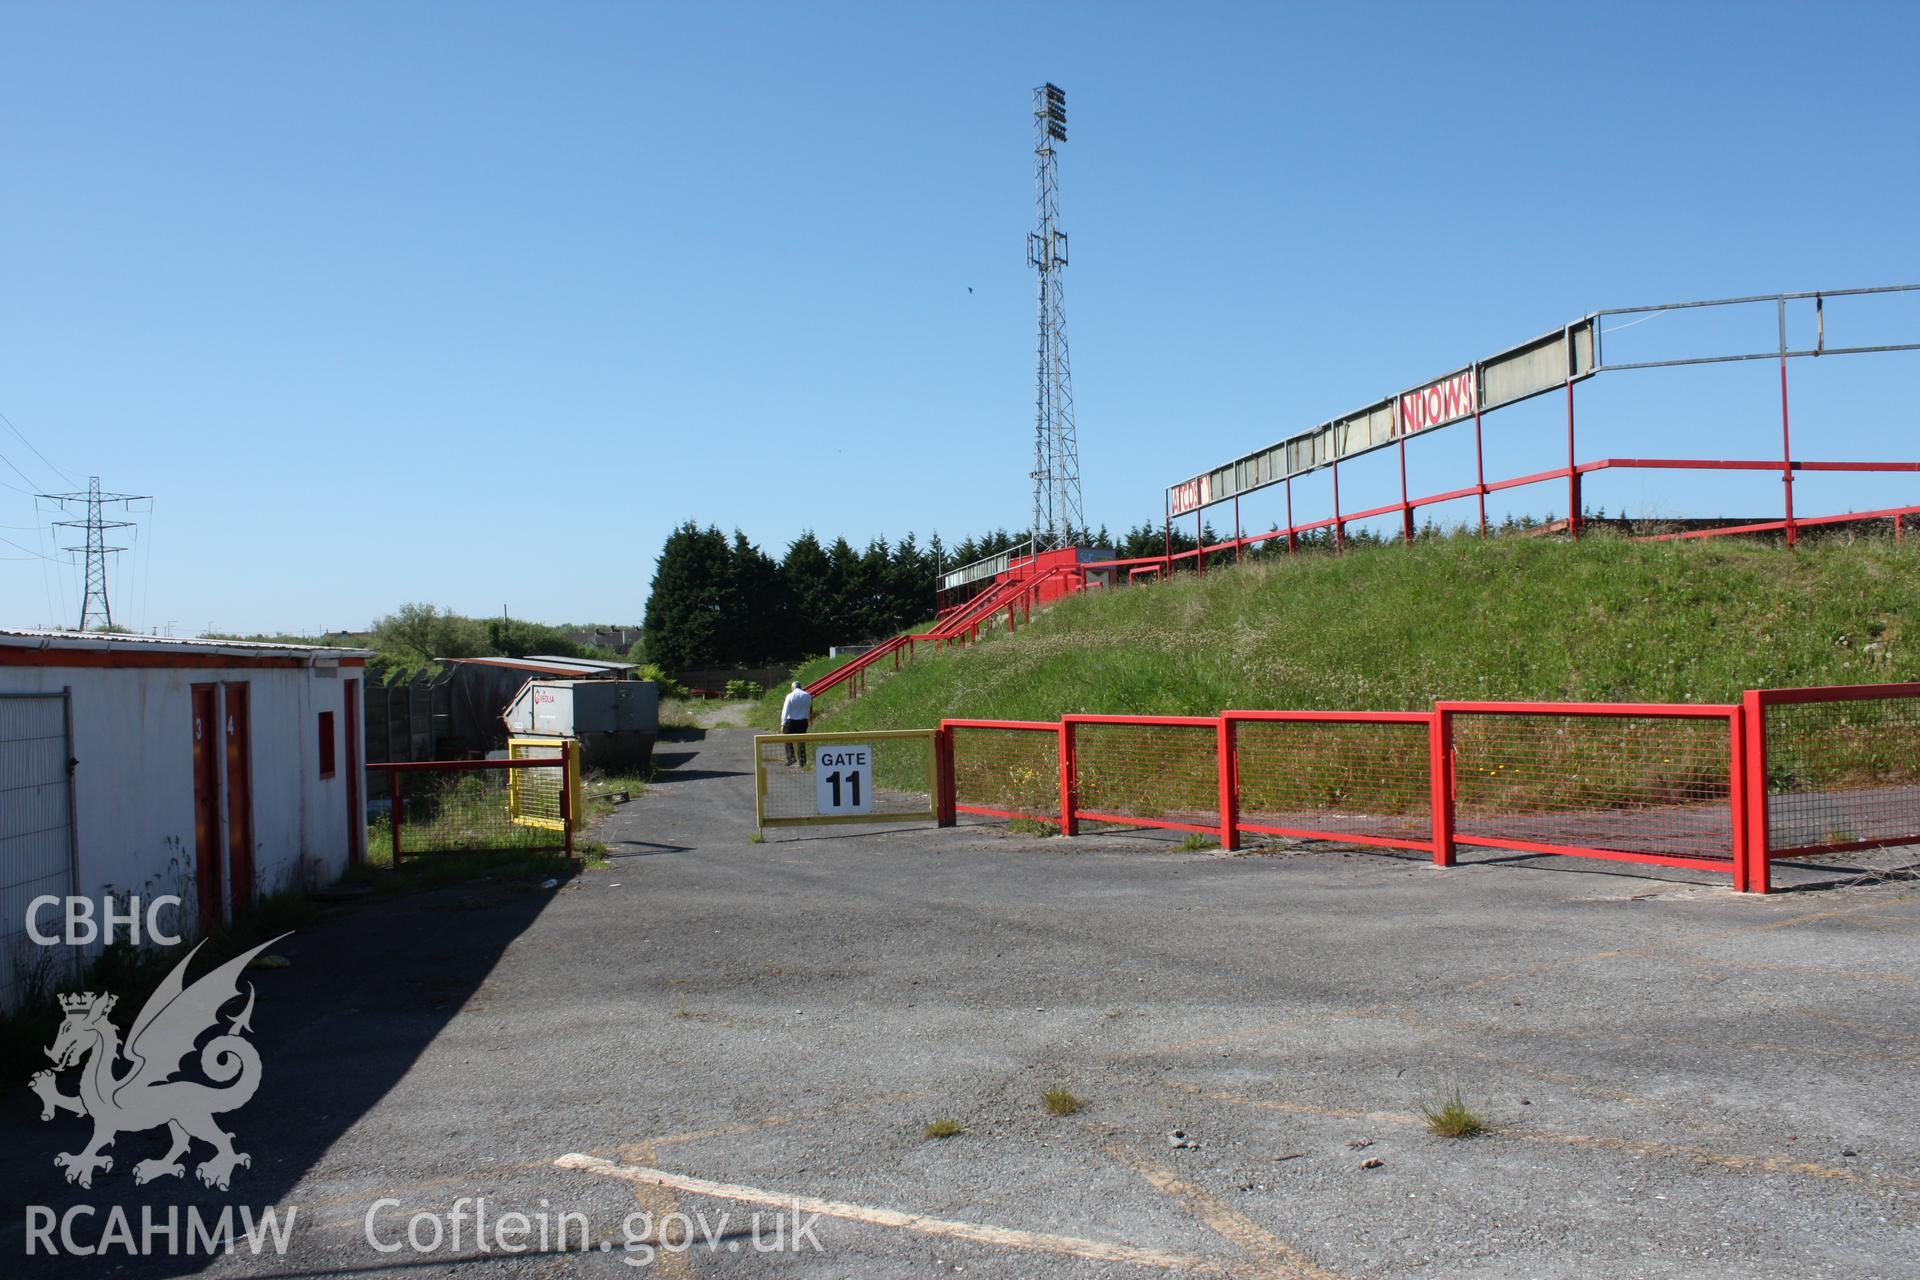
x=1365, y=780
x=1148, y=773
x=465, y=807
x=1842, y=774
x=1650, y=785
x=1006, y=771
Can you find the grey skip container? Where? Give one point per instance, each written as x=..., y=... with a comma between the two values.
x=615, y=721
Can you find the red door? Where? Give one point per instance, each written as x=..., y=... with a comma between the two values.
x=239, y=799
x=356, y=816
x=206, y=802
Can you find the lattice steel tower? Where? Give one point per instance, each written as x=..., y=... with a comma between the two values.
x=94, y=604
x=1057, y=515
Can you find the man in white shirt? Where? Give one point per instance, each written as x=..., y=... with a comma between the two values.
x=794, y=714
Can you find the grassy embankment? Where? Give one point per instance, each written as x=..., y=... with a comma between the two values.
x=1395, y=628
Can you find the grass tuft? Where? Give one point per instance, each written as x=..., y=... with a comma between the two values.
x=1453, y=1118
x=1196, y=843
x=1058, y=1102
x=943, y=1128
x=1032, y=827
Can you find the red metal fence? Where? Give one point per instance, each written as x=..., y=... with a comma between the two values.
x=1362, y=777
x=1725, y=788
x=1005, y=768
x=1834, y=770
x=472, y=806
x=1897, y=518
x=1655, y=783
x=1141, y=771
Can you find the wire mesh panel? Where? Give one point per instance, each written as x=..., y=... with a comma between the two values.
x=533, y=795
x=1006, y=769
x=1364, y=778
x=36, y=837
x=465, y=806
x=1842, y=768
x=1643, y=784
x=884, y=776
x=1147, y=771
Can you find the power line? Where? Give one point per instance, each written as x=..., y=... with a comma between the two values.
x=36, y=452
x=17, y=471
x=29, y=550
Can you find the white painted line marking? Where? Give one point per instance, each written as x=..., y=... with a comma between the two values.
x=1004, y=1237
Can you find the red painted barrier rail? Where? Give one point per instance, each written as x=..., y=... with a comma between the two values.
x=1726, y=788
x=1830, y=770
x=1408, y=506
x=1656, y=783
x=1006, y=768
x=1362, y=777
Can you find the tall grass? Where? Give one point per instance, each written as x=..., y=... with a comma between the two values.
x=1393, y=627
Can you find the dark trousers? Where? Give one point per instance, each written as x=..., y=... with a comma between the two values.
x=795, y=726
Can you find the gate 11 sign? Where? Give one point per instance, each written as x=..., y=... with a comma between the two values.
x=842, y=780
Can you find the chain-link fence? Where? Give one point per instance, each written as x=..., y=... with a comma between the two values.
x=470, y=806
x=36, y=835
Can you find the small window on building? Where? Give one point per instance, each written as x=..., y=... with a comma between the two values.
x=326, y=744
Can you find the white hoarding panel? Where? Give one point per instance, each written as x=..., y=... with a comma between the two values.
x=1515, y=374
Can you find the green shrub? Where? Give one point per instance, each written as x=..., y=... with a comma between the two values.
x=669, y=687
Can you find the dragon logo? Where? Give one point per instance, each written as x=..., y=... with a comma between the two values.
x=145, y=1095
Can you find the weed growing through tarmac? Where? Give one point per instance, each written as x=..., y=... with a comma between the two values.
x=942, y=1129
x=1453, y=1118
x=1032, y=827
x=1059, y=1102
x=1195, y=843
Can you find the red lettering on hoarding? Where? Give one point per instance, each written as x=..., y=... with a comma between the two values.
x=1448, y=400
x=1190, y=495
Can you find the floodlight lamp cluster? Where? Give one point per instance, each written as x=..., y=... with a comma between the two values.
x=1056, y=112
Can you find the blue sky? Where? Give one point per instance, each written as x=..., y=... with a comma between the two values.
x=473, y=303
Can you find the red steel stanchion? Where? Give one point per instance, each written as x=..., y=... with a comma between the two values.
x=1755, y=829
x=1440, y=761
x=1229, y=787
x=1069, y=825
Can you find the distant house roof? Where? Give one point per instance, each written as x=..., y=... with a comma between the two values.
x=547, y=664
x=93, y=648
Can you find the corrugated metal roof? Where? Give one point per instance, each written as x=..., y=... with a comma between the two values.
x=548, y=665
x=99, y=642
x=591, y=664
